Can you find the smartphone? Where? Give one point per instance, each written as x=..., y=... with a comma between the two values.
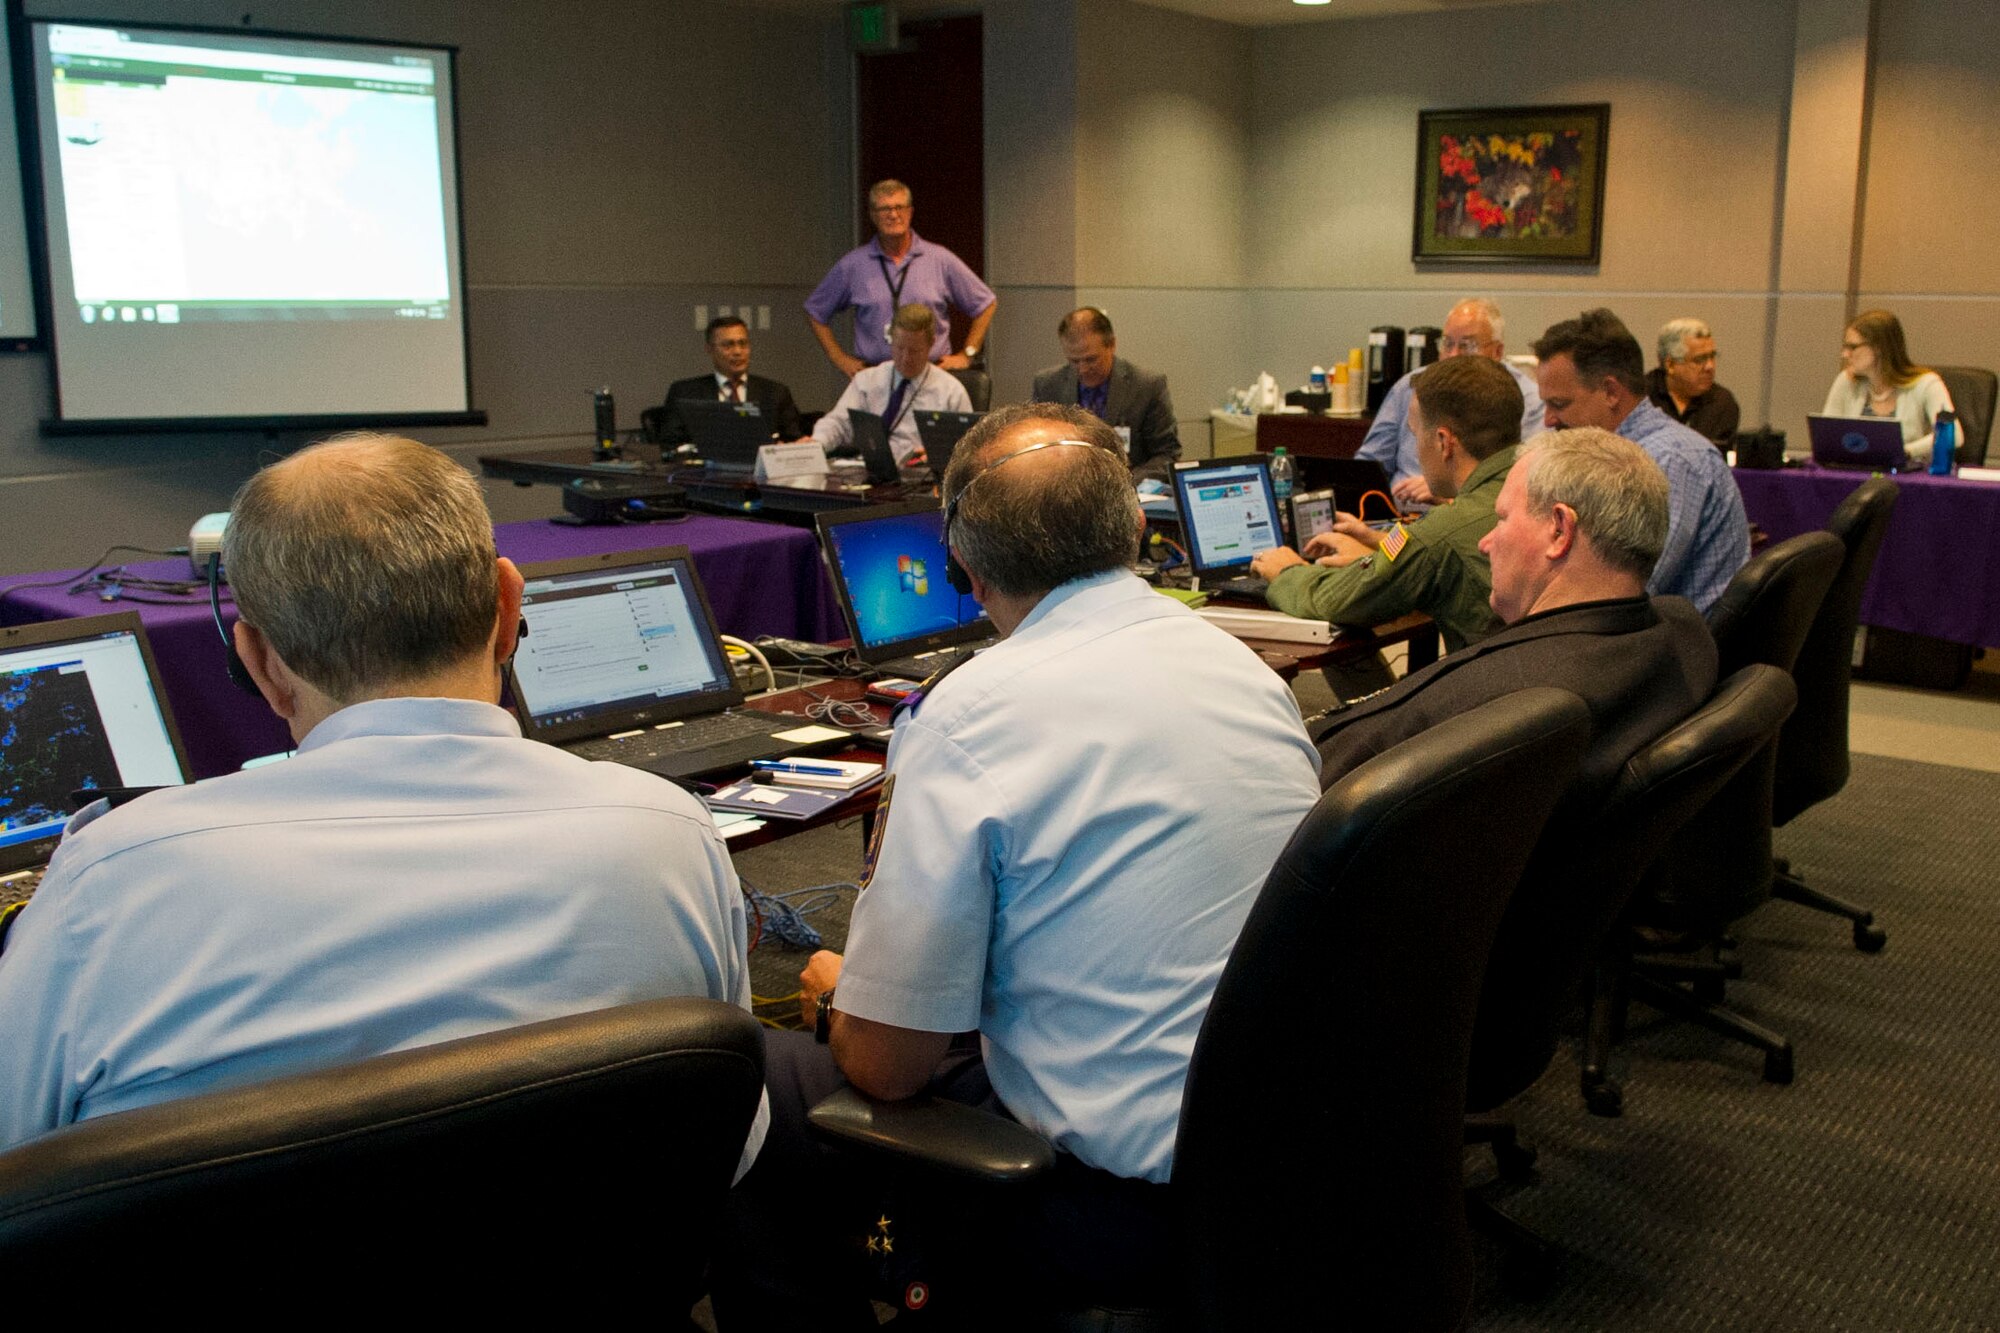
x=894, y=689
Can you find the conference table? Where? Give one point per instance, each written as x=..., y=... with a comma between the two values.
x=761, y=578
x=1936, y=573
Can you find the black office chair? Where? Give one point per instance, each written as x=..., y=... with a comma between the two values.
x=1767, y=611
x=1319, y=1157
x=1561, y=936
x=1813, y=758
x=653, y=424
x=499, y=1173
x=1973, y=391
x=1658, y=791
x=978, y=382
x=1718, y=868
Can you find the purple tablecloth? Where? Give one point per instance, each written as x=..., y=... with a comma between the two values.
x=1937, y=572
x=762, y=578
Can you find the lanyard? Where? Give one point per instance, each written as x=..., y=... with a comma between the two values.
x=895, y=285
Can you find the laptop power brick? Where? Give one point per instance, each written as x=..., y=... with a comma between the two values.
x=594, y=500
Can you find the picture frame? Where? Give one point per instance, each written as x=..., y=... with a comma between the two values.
x=1511, y=185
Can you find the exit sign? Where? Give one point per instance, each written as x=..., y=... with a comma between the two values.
x=871, y=26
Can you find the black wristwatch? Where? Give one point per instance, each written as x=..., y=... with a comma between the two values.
x=823, y=1017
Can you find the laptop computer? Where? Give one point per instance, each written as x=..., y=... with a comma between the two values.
x=726, y=435
x=941, y=432
x=1228, y=514
x=871, y=439
x=623, y=661
x=1875, y=443
x=83, y=710
x=1349, y=479
x=887, y=567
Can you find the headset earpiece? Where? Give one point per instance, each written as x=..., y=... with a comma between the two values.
x=239, y=675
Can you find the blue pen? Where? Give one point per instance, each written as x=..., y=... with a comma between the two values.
x=783, y=766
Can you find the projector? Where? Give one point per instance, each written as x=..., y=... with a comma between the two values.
x=620, y=500
x=204, y=540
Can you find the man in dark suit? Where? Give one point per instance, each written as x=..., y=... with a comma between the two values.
x=1582, y=518
x=731, y=382
x=1131, y=401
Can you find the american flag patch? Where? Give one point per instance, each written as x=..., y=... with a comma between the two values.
x=1393, y=542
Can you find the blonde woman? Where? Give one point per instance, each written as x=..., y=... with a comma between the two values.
x=1878, y=379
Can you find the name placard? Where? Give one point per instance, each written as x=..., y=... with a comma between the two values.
x=788, y=462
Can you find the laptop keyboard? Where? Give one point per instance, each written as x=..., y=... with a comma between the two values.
x=701, y=733
x=18, y=888
x=928, y=665
x=1244, y=585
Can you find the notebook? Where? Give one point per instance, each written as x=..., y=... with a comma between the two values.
x=1867, y=442
x=623, y=661
x=887, y=563
x=1228, y=514
x=726, y=435
x=81, y=708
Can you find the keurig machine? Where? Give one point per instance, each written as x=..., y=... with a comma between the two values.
x=1420, y=347
x=1385, y=363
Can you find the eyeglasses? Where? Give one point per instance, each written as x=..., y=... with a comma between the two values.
x=1852, y=347
x=891, y=208
x=1461, y=345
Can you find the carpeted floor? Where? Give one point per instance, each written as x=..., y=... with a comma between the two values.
x=1866, y=1196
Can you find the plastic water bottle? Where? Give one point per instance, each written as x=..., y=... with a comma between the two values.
x=1317, y=382
x=1281, y=487
x=1944, y=439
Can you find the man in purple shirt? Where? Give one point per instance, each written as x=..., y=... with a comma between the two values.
x=895, y=269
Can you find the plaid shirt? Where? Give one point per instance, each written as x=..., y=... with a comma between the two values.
x=1708, y=537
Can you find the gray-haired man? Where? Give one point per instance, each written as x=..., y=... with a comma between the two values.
x=1683, y=384
x=1582, y=519
x=416, y=872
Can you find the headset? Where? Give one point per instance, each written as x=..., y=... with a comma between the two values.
x=954, y=573
x=239, y=675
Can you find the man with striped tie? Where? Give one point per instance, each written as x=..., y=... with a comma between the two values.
x=730, y=382
x=1466, y=415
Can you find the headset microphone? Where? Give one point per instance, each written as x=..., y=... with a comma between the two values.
x=239, y=675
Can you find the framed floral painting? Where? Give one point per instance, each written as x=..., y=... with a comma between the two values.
x=1511, y=185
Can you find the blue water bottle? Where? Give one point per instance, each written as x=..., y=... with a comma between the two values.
x=1281, y=488
x=1944, y=437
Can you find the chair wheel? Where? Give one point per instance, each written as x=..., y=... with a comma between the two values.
x=1602, y=1096
x=1516, y=1161
x=1869, y=939
x=1778, y=1066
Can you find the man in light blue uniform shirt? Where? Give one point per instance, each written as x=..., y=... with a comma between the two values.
x=1592, y=372
x=417, y=872
x=1473, y=328
x=1080, y=819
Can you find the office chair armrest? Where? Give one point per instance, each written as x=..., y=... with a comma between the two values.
x=937, y=1134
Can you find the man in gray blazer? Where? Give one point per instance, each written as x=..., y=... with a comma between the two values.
x=1583, y=516
x=1131, y=401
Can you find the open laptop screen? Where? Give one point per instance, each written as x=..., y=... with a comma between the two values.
x=1228, y=511
x=79, y=709
x=630, y=639
x=887, y=564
